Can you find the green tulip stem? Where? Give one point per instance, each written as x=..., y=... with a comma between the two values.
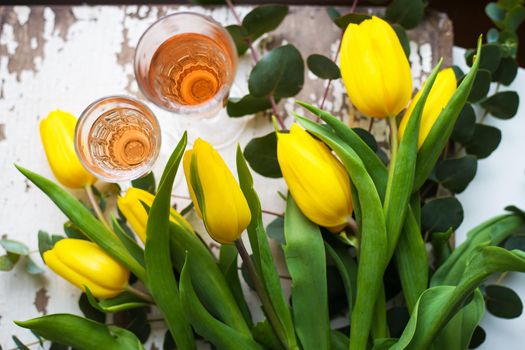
x=142, y=295
x=393, y=138
x=96, y=207
x=261, y=292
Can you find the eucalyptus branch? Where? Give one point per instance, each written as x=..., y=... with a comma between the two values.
x=142, y=295
x=255, y=59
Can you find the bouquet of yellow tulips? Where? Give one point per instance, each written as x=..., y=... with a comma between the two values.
x=345, y=208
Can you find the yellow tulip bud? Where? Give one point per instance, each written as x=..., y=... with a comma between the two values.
x=375, y=69
x=57, y=132
x=131, y=206
x=441, y=92
x=317, y=180
x=224, y=208
x=83, y=263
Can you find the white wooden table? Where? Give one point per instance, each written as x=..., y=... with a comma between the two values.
x=66, y=57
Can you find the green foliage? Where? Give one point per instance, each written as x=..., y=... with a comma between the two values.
x=264, y=19
x=323, y=67
x=355, y=18
x=81, y=333
x=261, y=154
x=440, y=214
x=484, y=140
x=305, y=258
x=146, y=182
x=456, y=173
x=275, y=230
x=123, y=301
x=240, y=37
x=279, y=73
x=502, y=301
x=502, y=105
x=408, y=13
x=239, y=107
x=465, y=124
x=481, y=86
x=14, y=253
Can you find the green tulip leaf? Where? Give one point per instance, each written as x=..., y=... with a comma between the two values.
x=439, y=135
x=131, y=245
x=438, y=215
x=408, y=13
x=279, y=73
x=228, y=265
x=264, y=334
x=506, y=72
x=339, y=341
x=123, y=301
x=240, y=37
x=485, y=140
x=213, y=330
x=261, y=154
x=146, y=183
x=306, y=262
x=374, y=240
x=456, y=174
x=481, y=86
x=502, y=105
x=356, y=18
x=207, y=279
x=81, y=333
x=275, y=230
x=347, y=269
x=490, y=57
x=85, y=221
x=397, y=320
x=465, y=125
x=247, y=105
x=262, y=256
x=264, y=19
x=502, y=301
x=323, y=67
x=160, y=278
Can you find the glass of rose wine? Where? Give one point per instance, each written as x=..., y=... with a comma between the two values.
x=185, y=63
x=117, y=139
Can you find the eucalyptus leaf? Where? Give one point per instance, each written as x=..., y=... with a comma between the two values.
x=91, y=312
x=261, y=154
x=502, y=105
x=247, y=105
x=441, y=214
x=279, y=73
x=72, y=231
x=44, y=242
x=478, y=338
x=506, y=72
x=14, y=247
x=465, y=125
x=81, y=333
x=134, y=320
x=19, y=344
x=7, y=263
x=490, y=57
x=32, y=268
x=408, y=13
x=502, y=301
x=306, y=262
x=332, y=12
x=514, y=18
x=456, y=174
x=481, y=86
x=146, y=183
x=403, y=38
x=323, y=67
x=264, y=19
x=275, y=230
x=240, y=37
x=356, y=18
x=495, y=13
x=485, y=140
x=515, y=242
x=161, y=281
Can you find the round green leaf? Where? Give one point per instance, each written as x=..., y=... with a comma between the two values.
x=275, y=230
x=146, y=183
x=14, y=247
x=490, y=57
x=397, y=318
x=441, y=214
x=280, y=73
x=403, y=38
x=481, y=86
x=408, y=13
x=458, y=72
x=456, y=174
x=238, y=107
x=264, y=19
x=515, y=242
x=323, y=67
x=7, y=263
x=495, y=13
x=356, y=18
x=514, y=18
x=506, y=72
x=484, y=141
x=503, y=105
x=89, y=311
x=261, y=154
x=332, y=13
x=240, y=37
x=367, y=137
x=503, y=302
x=465, y=125
x=492, y=35
x=478, y=337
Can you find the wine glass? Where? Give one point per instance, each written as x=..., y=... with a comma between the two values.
x=185, y=63
x=117, y=138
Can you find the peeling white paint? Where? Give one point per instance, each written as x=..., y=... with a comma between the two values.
x=8, y=39
x=22, y=13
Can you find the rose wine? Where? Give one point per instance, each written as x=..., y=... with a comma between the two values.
x=190, y=68
x=121, y=139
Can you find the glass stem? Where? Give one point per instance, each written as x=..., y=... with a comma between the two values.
x=96, y=207
x=261, y=292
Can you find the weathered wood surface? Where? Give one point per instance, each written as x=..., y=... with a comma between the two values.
x=66, y=57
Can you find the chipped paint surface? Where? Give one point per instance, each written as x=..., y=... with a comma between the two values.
x=66, y=57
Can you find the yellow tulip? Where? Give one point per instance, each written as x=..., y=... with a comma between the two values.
x=317, y=180
x=57, y=132
x=441, y=92
x=375, y=69
x=83, y=263
x=131, y=206
x=224, y=208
